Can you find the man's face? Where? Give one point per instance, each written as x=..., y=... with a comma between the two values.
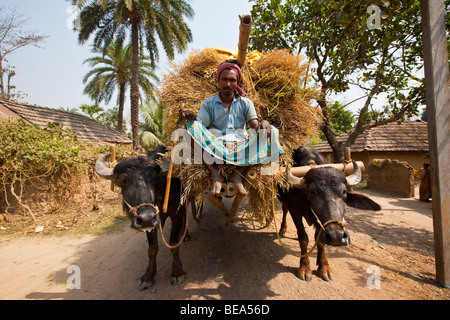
x=228, y=82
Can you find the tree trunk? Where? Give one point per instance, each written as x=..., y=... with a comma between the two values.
x=2, y=88
x=336, y=146
x=121, y=104
x=134, y=90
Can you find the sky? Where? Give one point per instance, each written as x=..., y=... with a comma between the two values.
x=52, y=75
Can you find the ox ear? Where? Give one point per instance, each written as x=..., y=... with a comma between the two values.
x=164, y=166
x=360, y=201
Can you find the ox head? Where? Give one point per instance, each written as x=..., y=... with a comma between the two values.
x=138, y=178
x=326, y=190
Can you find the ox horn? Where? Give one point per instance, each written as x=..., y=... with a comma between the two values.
x=295, y=181
x=355, y=177
x=102, y=167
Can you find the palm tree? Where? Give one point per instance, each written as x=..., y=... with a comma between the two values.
x=152, y=127
x=92, y=110
x=113, y=70
x=73, y=110
x=147, y=20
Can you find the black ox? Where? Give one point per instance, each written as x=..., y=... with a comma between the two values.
x=320, y=197
x=143, y=191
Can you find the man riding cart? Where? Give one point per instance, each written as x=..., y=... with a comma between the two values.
x=220, y=129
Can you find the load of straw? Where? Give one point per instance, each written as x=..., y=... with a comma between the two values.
x=276, y=82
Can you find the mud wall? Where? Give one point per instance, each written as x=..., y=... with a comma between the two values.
x=392, y=176
x=43, y=197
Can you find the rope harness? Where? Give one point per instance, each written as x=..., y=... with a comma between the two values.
x=133, y=212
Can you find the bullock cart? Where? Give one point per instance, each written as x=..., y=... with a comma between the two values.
x=141, y=183
x=276, y=83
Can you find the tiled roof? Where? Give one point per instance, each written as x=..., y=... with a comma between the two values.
x=407, y=136
x=85, y=128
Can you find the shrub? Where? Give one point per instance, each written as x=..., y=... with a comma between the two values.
x=48, y=161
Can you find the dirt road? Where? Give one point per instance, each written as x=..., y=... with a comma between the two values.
x=235, y=262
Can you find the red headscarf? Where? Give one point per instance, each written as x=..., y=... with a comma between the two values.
x=235, y=68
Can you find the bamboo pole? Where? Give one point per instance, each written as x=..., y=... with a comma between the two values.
x=244, y=35
x=169, y=176
x=169, y=172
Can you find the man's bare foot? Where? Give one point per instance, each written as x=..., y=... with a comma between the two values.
x=216, y=184
x=217, y=179
x=237, y=180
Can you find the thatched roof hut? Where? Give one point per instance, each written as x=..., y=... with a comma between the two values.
x=85, y=128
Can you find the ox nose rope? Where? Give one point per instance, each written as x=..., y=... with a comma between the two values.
x=322, y=228
x=133, y=211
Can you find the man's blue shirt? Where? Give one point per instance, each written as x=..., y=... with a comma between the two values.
x=231, y=123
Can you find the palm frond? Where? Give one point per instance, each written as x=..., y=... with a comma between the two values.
x=149, y=141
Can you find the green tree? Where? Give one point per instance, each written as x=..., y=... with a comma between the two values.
x=112, y=71
x=106, y=117
x=109, y=118
x=73, y=110
x=346, y=51
x=145, y=21
x=341, y=119
x=152, y=125
x=92, y=110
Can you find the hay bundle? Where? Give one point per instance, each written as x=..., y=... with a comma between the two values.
x=278, y=91
x=275, y=82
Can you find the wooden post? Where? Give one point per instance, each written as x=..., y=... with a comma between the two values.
x=218, y=203
x=438, y=113
x=347, y=154
x=112, y=149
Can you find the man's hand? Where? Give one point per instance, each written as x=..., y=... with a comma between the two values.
x=265, y=127
x=188, y=115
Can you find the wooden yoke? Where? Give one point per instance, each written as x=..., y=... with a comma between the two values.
x=344, y=167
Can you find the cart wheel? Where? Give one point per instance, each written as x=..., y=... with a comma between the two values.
x=197, y=208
